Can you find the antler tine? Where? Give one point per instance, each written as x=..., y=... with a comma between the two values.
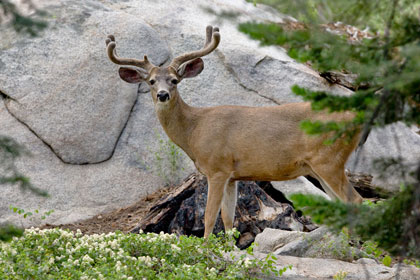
x=212, y=41
x=112, y=54
x=209, y=33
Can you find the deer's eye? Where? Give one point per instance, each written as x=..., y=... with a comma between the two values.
x=152, y=82
x=174, y=81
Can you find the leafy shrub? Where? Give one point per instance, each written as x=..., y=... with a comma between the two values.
x=60, y=254
x=168, y=160
x=389, y=224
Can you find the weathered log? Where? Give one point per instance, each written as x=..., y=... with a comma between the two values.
x=182, y=211
x=363, y=184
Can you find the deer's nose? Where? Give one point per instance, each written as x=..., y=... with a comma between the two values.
x=163, y=96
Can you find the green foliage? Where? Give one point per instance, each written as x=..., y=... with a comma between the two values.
x=23, y=24
x=7, y=232
x=59, y=254
x=385, y=224
x=387, y=261
x=340, y=275
x=415, y=263
x=168, y=161
x=29, y=214
x=386, y=64
x=10, y=151
x=372, y=14
x=371, y=248
x=340, y=247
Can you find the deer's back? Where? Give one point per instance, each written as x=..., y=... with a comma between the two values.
x=243, y=140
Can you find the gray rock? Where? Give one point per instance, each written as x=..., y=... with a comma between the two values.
x=316, y=268
x=260, y=74
x=69, y=107
x=315, y=244
x=366, y=261
x=322, y=269
x=299, y=185
x=394, y=141
x=69, y=93
x=76, y=191
x=271, y=239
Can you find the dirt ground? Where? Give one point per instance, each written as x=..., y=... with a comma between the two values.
x=123, y=219
x=126, y=218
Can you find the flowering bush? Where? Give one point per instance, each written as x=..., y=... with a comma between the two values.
x=60, y=254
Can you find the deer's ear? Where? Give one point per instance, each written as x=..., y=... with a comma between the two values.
x=191, y=68
x=131, y=75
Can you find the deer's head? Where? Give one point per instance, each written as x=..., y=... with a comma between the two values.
x=163, y=80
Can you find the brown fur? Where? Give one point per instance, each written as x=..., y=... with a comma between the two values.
x=230, y=143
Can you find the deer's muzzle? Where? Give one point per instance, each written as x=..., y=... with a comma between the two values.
x=163, y=96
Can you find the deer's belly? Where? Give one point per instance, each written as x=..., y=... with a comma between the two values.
x=275, y=171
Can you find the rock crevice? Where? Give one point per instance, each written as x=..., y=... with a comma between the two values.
x=236, y=77
x=30, y=129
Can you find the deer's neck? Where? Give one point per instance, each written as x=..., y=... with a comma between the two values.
x=178, y=120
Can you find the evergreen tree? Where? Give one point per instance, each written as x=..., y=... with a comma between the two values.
x=383, y=57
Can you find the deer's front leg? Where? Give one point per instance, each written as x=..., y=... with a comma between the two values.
x=216, y=186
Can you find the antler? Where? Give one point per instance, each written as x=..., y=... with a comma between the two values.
x=112, y=54
x=212, y=41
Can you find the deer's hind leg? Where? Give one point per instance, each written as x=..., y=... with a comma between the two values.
x=335, y=183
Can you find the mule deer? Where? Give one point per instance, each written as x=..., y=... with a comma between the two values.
x=230, y=143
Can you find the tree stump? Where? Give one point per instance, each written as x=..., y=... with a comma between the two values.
x=182, y=211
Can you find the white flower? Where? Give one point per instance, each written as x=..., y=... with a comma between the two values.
x=51, y=261
x=78, y=233
x=113, y=244
x=118, y=266
x=87, y=259
x=152, y=239
x=65, y=234
x=247, y=262
x=146, y=259
x=175, y=248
